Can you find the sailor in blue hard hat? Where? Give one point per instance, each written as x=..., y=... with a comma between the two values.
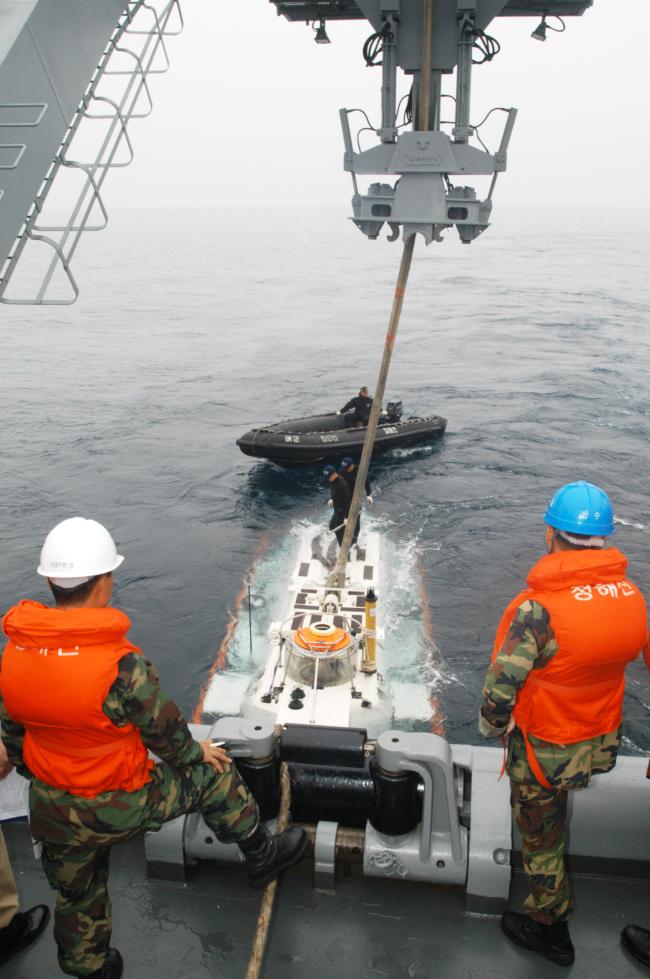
x=581, y=514
x=555, y=685
x=339, y=500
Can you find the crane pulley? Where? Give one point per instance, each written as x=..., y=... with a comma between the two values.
x=431, y=162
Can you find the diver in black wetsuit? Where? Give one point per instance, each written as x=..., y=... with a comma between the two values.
x=348, y=471
x=358, y=408
x=340, y=501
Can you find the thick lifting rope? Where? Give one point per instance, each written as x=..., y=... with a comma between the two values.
x=268, y=899
x=336, y=579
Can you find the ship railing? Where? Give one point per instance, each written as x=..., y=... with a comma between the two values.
x=136, y=51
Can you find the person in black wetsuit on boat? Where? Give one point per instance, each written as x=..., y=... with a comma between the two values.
x=339, y=500
x=358, y=408
x=348, y=471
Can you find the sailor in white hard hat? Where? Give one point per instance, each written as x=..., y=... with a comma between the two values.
x=85, y=746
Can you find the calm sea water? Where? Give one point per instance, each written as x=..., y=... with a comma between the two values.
x=190, y=329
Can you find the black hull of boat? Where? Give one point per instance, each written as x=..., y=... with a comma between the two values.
x=289, y=443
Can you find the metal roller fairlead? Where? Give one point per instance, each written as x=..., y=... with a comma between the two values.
x=433, y=812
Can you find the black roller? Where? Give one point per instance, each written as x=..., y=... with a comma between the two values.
x=341, y=795
x=263, y=780
x=397, y=805
x=329, y=746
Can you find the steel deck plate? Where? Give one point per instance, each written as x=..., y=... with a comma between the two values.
x=370, y=929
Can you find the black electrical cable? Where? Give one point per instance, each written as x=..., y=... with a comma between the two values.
x=399, y=105
x=486, y=45
x=372, y=49
x=558, y=30
x=368, y=128
x=497, y=108
x=364, y=114
x=364, y=129
x=374, y=46
x=481, y=142
x=405, y=121
x=408, y=108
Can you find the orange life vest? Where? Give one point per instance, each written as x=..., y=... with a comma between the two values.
x=600, y=624
x=56, y=672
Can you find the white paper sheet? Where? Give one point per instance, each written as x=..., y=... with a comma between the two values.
x=14, y=791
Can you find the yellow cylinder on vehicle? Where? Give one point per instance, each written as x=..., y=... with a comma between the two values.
x=369, y=664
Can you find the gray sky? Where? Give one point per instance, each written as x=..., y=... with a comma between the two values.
x=249, y=110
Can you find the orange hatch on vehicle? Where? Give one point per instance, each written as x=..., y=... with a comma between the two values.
x=321, y=638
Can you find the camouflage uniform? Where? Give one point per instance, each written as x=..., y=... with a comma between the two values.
x=77, y=832
x=530, y=644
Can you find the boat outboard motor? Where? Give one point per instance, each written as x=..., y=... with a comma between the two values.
x=394, y=411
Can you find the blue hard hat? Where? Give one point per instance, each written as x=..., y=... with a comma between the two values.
x=328, y=470
x=581, y=508
x=347, y=461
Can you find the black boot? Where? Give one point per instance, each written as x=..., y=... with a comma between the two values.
x=111, y=969
x=23, y=929
x=637, y=942
x=267, y=856
x=551, y=941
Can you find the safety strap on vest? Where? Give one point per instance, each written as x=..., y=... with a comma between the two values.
x=532, y=760
x=504, y=745
x=561, y=687
x=75, y=752
x=535, y=766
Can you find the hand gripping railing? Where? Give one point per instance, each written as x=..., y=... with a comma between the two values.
x=138, y=40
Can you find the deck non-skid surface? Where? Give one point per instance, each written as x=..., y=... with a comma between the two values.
x=370, y=929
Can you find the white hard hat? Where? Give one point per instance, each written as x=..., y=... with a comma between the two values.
x=76, y=550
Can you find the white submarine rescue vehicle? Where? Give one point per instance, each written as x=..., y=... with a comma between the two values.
x=322, y=662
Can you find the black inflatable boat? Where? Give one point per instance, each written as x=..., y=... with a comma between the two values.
x=330, y=437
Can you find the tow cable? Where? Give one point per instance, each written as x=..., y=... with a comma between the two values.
x=268, y=898
x=336, y=579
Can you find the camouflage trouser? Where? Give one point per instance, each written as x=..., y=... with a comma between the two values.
x=77, y=835
x=541, y=817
